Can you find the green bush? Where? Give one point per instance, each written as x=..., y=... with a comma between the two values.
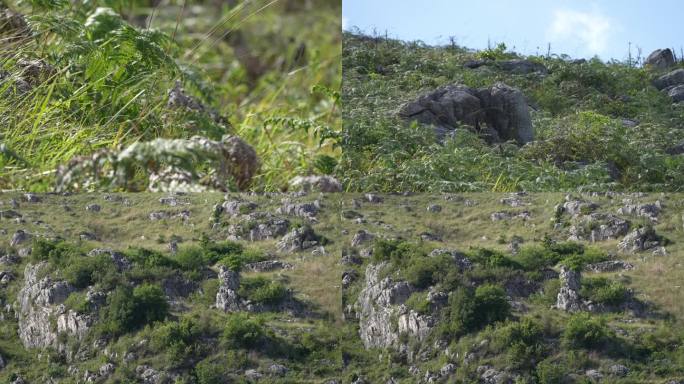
x=210, y=371
x=235, y=261
x=548, y=372
x=191, y=258
x=490, y=258
x=261, y=290
x=590, y=255
x=601, y=290
x=147, y=258
x=215, y=251
x=418, y=302
x=398, y=252
x=77, y=302
x=244, y=331
x=524, y=342
x=178, y=340
x=129, y=309
x=472, y=310
x=58, y=252
x=584, y=331
x=83, y=271
x=533, y=258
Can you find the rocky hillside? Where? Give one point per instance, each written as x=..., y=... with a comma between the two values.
x=451, y=119
x=494, y=288
x=341, y=288
x=169, y=289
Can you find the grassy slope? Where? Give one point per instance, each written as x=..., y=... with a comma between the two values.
x=110, y=89
x=654, y=280
x=577, y=119
x=315, y=279
x=119, y=226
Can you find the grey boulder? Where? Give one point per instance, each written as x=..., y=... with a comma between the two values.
x=660, y=59
x=498, y=113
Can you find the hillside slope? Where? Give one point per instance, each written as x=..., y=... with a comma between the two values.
x=341, y=288
x=596, y=125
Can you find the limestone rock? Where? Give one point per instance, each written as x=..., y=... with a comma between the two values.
x=227, y=298
x=377, y=305
x=660, y=59
x=326, y=184
x=639, y=240
x=568, y=296
x=37, y=302
x=361, y=237
x=673, y=78
x=298, y=240
x=503, y=109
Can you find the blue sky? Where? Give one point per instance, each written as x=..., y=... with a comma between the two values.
x=574, y=27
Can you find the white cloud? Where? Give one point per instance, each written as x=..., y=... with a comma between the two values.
x=345, y=23
x=588, y=29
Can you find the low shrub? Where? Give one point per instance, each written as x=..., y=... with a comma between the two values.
x=490, y=258
x=584, y=331
x=262, y=291
x=523, y=341
x=235, y=261
x=549, y=372
x=244, y=331
x=129, y=309
x=472, y=310
x=602, y=290
x=177, y=339
x=418, y=302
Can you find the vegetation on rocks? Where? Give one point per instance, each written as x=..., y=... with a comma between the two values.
x=597, y=125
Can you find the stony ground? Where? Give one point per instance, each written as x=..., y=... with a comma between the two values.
x=352, y=311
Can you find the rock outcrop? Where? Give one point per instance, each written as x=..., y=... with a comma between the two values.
x=639, y=240
x=38, y=303
x=382, y=315
x=326, y=184
x=568, y=296
x=298, y=240
x=227, y=298
x=499, y=113
x=660, y=59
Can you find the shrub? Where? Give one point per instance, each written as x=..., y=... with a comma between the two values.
x=577, y=262
x=490, y=258
x=244, y=331
x=215, y=251
x=422, y=272
x=150, y=259
x=191, y=258
x=57, y=252
x=524, y=341
x=129, y=309
x=210, y=371
x=177, y=339
x=584, y=331
x=548, y=372
x=602, y=290
x=261, y=290
x=533, y=258
x=83, y=271
x=235, y=261
x=469, y=311
x=398, y=252
x=418, y=302
x=77, y=302
x=491, y=304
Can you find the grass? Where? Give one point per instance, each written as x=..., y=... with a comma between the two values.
x=577, y=113
x=270, y=69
